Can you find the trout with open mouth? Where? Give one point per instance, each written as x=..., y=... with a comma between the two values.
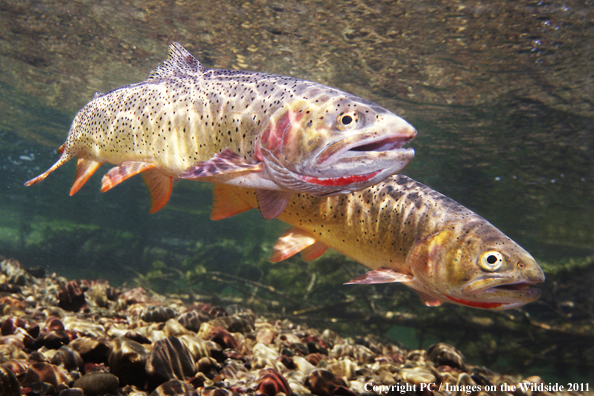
x=408, y=233
x=274, y=133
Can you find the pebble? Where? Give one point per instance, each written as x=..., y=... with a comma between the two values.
x=96, y=384
x=132, y=343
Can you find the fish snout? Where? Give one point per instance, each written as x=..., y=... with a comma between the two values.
x=531, y=271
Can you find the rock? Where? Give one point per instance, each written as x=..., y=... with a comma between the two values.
x=45, y=372
x=222, y=337
x=157, y=313
x=9, y=385
x=174, y=387
x=72, y=392
x=191, y=320
x=323, y=382
x=443, y=354
x=234, y=324
x=71, y=297
x=42, y=388
x=96, y=384
x=127, y=360
x=91, y=350
x=67, y=358
x=272, y=383
x=169, y=359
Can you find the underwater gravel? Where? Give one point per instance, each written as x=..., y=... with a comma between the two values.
x=71, y=338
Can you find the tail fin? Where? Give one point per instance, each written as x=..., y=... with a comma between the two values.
x=63, y=159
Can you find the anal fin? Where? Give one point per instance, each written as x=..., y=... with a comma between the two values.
x=290, y=243
x=272, y=202
x=226, y=203
x=123, y=172
x=85, y=167
x=225, y=162
x=159, y=186
x=380, y=275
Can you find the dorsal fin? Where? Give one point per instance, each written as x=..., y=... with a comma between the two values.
x=98, y=94
x=179, y=62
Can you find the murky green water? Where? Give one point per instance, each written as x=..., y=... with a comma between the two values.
x=501, y=94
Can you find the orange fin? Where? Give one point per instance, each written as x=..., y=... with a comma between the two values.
x=381, y=275
x=85, y=167
x=314, y=251
x=227, y=161
x=428, y=300
x=226, y=203
x=291, y=242
x=124, y=171
x=272, y=202
x=159, y=187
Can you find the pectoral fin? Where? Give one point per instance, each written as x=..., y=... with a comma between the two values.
x=290, y=243
x=381, y=275
x=225, y=162
x=123, y=172
x=226, y=203
x=272, y=202
x=428, y=300
x=159, y=186
x=85, y=167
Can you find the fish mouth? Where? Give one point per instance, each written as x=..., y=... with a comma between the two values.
x=366, y=155
x=365, y=145
x=515, y=286
x=506, y=292
x=498, y=297
x=386, y=144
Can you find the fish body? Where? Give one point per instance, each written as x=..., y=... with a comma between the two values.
x=274, y=133
x=406, y=232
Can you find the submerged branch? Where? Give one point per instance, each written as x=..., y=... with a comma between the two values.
x=218, y=275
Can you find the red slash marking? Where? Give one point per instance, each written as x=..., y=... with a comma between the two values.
x=339, y=181
x=476, y=304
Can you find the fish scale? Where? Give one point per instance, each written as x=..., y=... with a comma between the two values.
x=404, y=232
x=274, y=133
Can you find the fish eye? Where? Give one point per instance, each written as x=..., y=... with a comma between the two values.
x=347, y=121
x=491, y=261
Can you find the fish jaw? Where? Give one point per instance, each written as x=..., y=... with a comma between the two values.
x=448, y=267
x=304, y=150
x=511, y=291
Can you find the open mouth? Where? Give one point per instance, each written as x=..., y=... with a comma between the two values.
x=514, y=286
x=487, y=286
x=382, y=145
x=369, y=149
x=495, y=297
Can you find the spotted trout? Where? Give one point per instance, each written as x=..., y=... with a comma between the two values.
x=408, y=233
x=273, y=133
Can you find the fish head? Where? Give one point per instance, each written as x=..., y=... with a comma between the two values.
x=476, y=265
x=332, y=144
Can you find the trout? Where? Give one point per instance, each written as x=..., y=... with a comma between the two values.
x=405, y=232
x=274, y=133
